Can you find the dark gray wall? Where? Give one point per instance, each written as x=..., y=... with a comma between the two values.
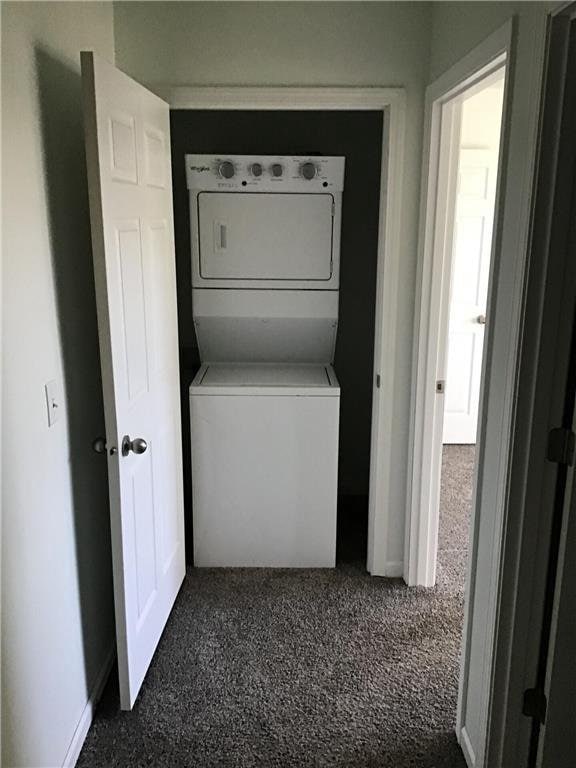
x=357, y=136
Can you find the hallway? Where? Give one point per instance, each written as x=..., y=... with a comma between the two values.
x=280, y=668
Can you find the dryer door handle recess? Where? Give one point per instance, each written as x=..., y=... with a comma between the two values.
x=220, y=236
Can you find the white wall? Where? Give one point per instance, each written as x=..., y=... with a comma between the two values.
x=481, y=117
x=306, y=44
x=57, y=620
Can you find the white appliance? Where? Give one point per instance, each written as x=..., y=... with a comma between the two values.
x=265, y=246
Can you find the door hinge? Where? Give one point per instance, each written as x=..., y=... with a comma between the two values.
x=561, y=443
x=440, y=386
x=377, y=381
x=534, y=704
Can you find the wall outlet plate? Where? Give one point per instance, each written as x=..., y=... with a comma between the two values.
x=53, y=401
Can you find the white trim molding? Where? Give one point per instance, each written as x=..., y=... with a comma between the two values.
x=392, y=103
x=280, y=98
x=544, y=155
x=85, y=720
x=431, y=295
x=498, y=384
x=490, y=528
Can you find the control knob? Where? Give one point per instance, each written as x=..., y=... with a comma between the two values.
x=277, y=170
x=256, y=170
x=308, y=171
x=226, y=169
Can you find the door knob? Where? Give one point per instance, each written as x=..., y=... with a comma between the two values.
x=99, y=445
x=481, y=319
x=138, y=445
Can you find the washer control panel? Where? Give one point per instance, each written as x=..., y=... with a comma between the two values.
x=265, y=173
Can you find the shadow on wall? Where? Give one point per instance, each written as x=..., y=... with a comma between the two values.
x=60, y=101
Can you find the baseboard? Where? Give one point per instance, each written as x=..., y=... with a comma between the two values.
x=88, y=713
x=394, y=569
x=466, y=748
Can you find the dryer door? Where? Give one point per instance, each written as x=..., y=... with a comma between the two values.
x=256, y=237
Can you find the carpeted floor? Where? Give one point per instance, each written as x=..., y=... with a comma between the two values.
x=282, y=668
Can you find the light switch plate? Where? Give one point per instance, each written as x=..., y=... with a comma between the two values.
x=53, y=402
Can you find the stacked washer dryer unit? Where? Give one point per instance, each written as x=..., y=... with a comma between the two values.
x=265, y=403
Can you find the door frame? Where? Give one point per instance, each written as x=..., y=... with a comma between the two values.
x=432, y=303
x=492, y=592
x=540, y=406
x=392, y=103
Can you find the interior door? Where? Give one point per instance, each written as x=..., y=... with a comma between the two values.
x=129, y=175
x=477, y=170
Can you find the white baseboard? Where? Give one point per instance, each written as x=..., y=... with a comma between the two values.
x=466, y=748
x=88, y=713
x=392, y=570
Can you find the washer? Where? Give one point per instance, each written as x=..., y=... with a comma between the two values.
x=265, y=465
x=264, y=406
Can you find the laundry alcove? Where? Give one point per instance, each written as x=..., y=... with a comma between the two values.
x=356, y=135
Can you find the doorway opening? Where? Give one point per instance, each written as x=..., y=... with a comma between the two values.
x=359, y=136
x=449, y=522
x=472, y=124
x=457, y=246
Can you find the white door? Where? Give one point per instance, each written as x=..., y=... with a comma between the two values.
x=129, y=174
x=477, y=172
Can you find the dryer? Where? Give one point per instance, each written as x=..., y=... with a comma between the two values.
x=265, y=248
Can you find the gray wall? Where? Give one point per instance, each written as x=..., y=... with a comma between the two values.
x=237, y=43
x=457, y=27
x=57, y=622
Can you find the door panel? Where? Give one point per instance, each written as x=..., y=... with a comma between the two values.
x=142, y=510
x=129, y=174
x=133, y=319
x=159, y=277
x=154, y=157
x=477, y=169
x=468, y=249
x=462, y=355
x=122, y=132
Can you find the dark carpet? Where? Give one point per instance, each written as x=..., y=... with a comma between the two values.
x=279, y=668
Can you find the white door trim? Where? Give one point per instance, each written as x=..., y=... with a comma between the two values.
x=432, y=295
x=425, y=446
x=392, y=103
x=540, y=398
x=512, y=228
